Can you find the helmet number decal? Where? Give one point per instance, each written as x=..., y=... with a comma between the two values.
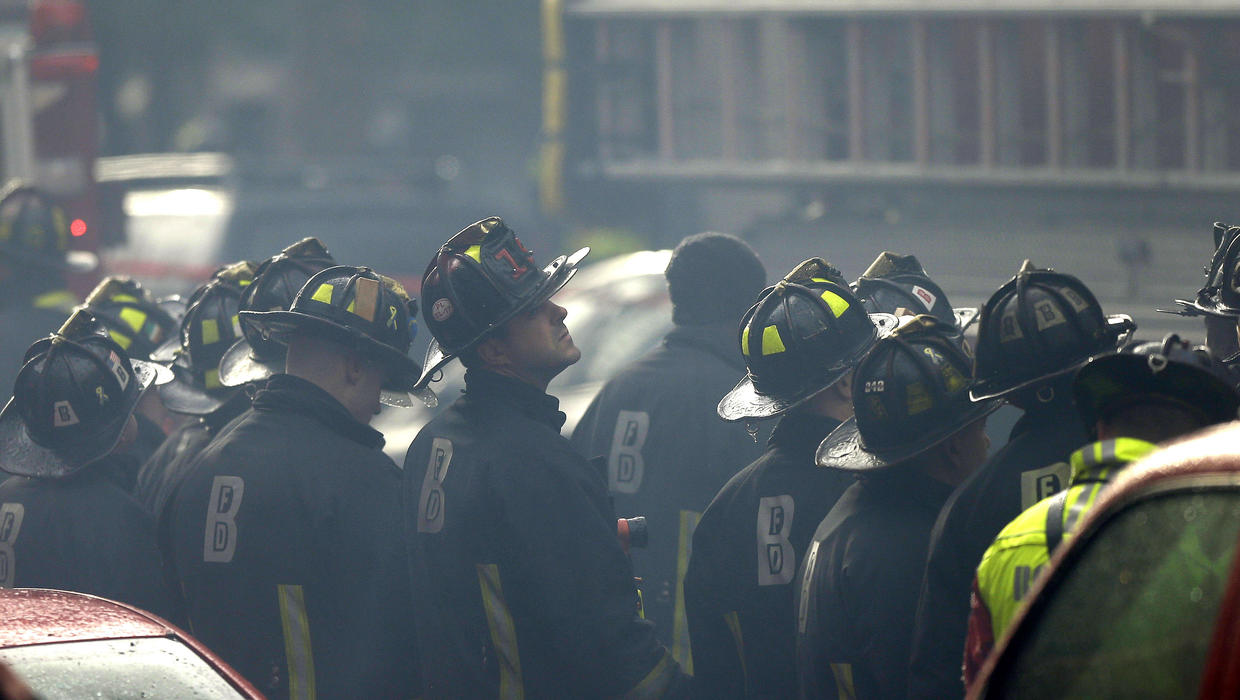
x=925, y=297
x=11, y=515
x=625, y=464
x=518, y=269
x=777, y=560
x=118, y=370
x=431, y=502
x=220, y=535
x=63, y=414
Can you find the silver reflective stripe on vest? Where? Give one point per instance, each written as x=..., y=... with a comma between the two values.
x=297, y=648
x=503, y=632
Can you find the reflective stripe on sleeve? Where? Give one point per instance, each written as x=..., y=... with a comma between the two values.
x=297, y=648
x=845, y=689
x=503, y=632
x=734, y=625
x=656, y=682
x=681, y=650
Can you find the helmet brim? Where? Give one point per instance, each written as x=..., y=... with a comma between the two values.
x=557, y=274
x=25, y=457
x=966, y=316
x=240, y=365
x=1130, y=376
x=185, y=396
x=745, y=402
x=845, y=449
x=1196, y=308
x=279, y=325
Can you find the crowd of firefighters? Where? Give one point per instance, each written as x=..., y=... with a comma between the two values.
x=810, y=457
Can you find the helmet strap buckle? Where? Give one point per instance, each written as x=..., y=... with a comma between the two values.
x=1045, y=394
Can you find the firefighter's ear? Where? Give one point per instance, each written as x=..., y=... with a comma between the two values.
x=354, y=367
x=492, y=352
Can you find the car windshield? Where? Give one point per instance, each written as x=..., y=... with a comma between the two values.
x=1133, y=616
x=117, y=669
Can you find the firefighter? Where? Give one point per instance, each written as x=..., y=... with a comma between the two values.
x=65, y=520
x=654, y=422
x=34, y=258
x=211, y=335
x=286, y=530
x=209, y=328
x=800, y=342
x=1218, y=300
x=134, y=318
x=1035, y=330
x=522, y=585
x=914, y=437
x=1129, y=402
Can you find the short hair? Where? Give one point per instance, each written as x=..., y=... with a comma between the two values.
x=713, y=278
x=1153, y=419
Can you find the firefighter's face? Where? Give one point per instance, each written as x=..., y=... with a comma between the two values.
x=538, y=345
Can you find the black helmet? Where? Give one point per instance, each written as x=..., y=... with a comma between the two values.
x=481, y=278
x=356, y=307
x=1039, y=325
x=131, y=315
x=71, y=401
x=802, y=336
x=1221, y=294
x=34, y=230
x=1171, y=369
x=236, y=276
x=209, y=328
x=276, y=283
x=898, y=284
x=909, y=394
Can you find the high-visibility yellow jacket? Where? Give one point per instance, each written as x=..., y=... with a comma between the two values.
x=1013, y=561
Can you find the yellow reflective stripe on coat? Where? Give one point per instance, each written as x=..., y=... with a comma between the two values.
x=681, y=650
x=656, y=682
x=298, y=650
x=503, y=632
x=733, y=621
x=845, y=688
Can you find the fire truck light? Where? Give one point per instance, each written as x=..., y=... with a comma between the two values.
x=77, y=228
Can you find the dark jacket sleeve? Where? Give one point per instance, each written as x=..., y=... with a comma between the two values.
x=942, y=614
x=140, y=575
x=718, y=664
x=564, y=525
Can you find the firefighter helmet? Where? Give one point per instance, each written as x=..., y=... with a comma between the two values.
x=1172, y=370
x=71, y=401
x=132, y=316
x=34, y=230
x=898, y=284
x=1220, y=295
x=276, y=284
x=803, y=335
x=209, y=328
x=479, y=280
x=358, y=308
x=1040, y=325
x=909, y=394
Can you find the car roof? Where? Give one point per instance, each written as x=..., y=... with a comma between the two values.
x=1207, y=457
x=40, y=616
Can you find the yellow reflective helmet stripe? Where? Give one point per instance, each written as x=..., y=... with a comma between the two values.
x=837, y=303
x=298, y=651
x=475, y=252
x=121, y=339
x=211, y=379
x=745, y=341
x=772, y=344
x=210, y=331
x=134, y=318
x=323, y=293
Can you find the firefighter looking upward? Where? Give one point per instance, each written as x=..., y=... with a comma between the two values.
x=800, y=341
x=667, y=451
x=522, y=588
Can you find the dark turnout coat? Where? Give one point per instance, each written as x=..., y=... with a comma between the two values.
x=858, y=587
x=1032, y=466
x=668, y=453
x=81, y=533
x=522, y=587
x=286, y=534
x=739, y=590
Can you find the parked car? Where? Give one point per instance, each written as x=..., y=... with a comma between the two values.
x=618, y=309
x=72, y=646
x=1144, y=600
